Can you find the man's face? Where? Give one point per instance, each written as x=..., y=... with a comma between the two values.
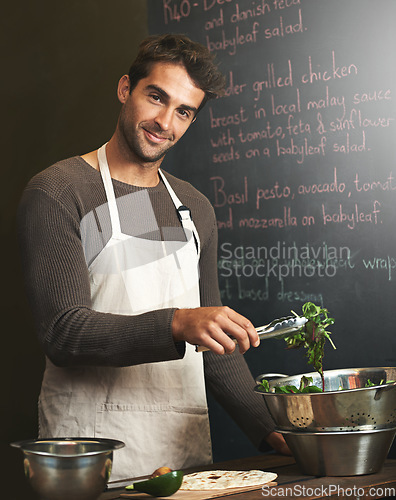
x=158, y=111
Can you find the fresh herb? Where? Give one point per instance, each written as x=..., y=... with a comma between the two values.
x=382, y=382
x=265, y=387
x=305, y=387
x=312, y=336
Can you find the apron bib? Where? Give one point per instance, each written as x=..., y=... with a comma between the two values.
x=158, y=409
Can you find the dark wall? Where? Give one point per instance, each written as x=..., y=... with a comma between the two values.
x=299, y=161
x=61, y=62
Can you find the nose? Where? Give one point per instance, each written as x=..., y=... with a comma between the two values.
x=164, y=118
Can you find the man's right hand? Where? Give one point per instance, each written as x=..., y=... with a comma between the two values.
x=212, y=327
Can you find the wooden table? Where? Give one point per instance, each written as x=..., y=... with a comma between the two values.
x=291, y=483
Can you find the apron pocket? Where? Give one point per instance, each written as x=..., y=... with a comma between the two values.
x=154, y=436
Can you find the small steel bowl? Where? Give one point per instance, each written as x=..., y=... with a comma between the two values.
x=68, y=468
x=340, y=453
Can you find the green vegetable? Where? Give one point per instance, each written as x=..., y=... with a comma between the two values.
x=305, y=387
x=286, y=389
x=313, y=335
x=371, y=384
x=265, y=386
x=312, y=388
x=159, y=486
x=305, y=382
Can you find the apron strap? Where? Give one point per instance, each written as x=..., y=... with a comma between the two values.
x=108, y=185
x=183, y=212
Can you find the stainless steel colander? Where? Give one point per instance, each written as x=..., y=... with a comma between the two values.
x=354, y=408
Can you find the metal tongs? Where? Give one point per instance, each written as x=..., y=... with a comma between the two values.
x=280, y=327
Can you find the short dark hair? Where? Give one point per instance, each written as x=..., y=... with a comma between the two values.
x=179, y=49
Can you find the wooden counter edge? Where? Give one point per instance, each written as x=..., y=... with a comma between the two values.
x=382, y=482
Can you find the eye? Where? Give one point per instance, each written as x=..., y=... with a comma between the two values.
x=155, y=97
x=184, y=113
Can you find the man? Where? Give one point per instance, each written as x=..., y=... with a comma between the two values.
x=120, y=264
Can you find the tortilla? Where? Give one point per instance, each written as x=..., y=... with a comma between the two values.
x=222, y=479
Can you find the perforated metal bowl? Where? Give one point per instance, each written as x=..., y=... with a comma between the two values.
x=354, y=408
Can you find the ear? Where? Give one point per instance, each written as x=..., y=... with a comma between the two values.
x=123, y=89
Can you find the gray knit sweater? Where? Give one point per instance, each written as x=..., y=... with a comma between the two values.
x=56, y=252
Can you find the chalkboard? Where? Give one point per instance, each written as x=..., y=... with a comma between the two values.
x=299, y=161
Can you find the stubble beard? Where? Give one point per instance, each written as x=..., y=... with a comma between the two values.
x=138, y=147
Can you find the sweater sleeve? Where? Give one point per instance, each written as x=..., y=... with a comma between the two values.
x=228, y=377
x=231, y=383
x=58, y=289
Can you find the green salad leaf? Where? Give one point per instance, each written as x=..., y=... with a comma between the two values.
x=305, y=387
x=382, y=382
x=313, y=335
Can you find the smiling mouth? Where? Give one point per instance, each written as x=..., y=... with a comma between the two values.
x=157, y=138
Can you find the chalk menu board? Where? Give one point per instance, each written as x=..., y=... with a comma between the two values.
x=299, y=161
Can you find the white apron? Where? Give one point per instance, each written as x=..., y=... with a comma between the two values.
x=158, y=409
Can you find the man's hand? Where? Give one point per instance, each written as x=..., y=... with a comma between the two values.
x=278, y=443
x=212, y=327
